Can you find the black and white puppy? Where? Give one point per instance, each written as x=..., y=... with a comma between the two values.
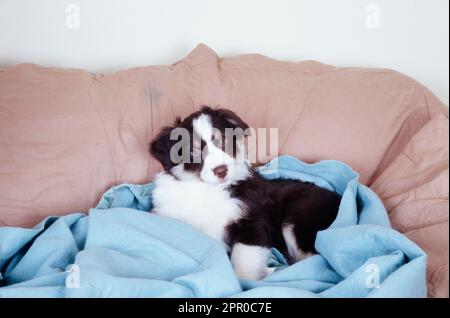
x=221, y=195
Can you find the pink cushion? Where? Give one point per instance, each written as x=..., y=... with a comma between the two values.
x=66, y=136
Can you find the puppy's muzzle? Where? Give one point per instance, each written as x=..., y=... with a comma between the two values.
x=221, y=171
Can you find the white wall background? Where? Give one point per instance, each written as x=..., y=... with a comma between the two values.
x=412, y=35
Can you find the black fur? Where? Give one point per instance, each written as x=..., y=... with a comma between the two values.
x=273, y=203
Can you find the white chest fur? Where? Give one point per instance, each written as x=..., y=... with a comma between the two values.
x=207, y=207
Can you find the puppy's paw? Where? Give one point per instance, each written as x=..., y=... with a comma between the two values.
x=253, y=274
x=250, y=261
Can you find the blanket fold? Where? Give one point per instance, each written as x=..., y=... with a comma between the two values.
x=121, y=250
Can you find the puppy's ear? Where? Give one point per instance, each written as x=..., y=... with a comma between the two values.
x=160, y=147
x=232, y=119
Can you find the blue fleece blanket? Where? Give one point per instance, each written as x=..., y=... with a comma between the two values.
x=120, y=250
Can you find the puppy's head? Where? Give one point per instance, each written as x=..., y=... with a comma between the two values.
x=207, y=145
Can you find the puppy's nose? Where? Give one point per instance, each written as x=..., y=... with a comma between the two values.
x=220, y=171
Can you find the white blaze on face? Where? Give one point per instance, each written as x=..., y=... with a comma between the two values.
x=203, y=127
x=215, y=156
